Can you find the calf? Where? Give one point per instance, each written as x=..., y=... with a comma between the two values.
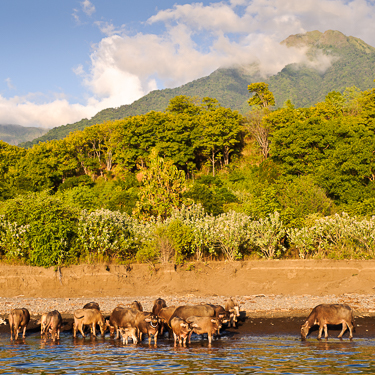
x=181, y=330
x=128, y=332
x=204, y=324
x=53, y=323
x=18, y=319
x=329, y=314
x=233, y=308
x=90, y=317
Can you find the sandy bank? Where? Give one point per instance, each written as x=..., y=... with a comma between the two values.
x=277, y=277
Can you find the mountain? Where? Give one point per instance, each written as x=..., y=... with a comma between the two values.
x=15, y=134
x=334, y=62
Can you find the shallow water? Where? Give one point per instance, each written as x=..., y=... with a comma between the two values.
x=234, y=353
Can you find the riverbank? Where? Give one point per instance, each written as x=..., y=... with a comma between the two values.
x=199, y=279
x=264, y=289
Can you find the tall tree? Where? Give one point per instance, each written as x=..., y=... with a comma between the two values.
x=218, y=134
x=162, y=188
x=262, y=96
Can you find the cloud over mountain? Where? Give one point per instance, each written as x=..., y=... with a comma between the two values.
x=195, y=39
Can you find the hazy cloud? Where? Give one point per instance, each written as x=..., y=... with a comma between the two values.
x=10, y=84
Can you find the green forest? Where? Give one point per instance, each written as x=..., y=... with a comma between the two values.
x=198, y=181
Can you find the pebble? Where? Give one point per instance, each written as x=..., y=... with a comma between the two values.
x=251, y=304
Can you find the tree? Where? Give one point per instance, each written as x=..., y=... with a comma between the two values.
x=259, y=130
x=218, y=134
x=183, y=104
x=162, y=188
x=262, y=97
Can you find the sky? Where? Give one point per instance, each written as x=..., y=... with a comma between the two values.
x=64, y=60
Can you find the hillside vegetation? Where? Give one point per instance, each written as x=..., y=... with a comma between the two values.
x=352, y=64
x=15, y=134
x=198, y=180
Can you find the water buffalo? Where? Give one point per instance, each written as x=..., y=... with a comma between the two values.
x=52, y=324
x=165, y=315
x=18, y=319
x=184, y=312
x=92, y=305
x=42, y=322
x=158, y=305
x=329, y=314
x=233, y=308
x=136, y=306
x=203, y=324
x=149, y=324
x=181, y=330
x=121, y=317
x=223, y=315
x=90, y=317
x=144, y=322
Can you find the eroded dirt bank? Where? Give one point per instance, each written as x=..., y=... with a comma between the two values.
x=278, y=277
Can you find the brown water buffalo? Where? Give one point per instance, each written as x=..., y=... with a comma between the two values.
x=148, y=324
x=18, y=319
x=144, y=322
x=203, y=324
x=233, y=308
x=184, y=312
x=128, y=332
x=329, y=314
x=42, y=322
x=165, y=315
x=90, y=317
x=181, y=330
x=121, y=317
x=52, y=324
x=136, y=306
x=158, y=305
x=92, y=305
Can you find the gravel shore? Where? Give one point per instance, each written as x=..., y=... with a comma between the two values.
x=251, y=306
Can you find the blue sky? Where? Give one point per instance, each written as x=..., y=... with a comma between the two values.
x=63, y=60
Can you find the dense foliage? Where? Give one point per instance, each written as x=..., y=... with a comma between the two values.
x=194, y=182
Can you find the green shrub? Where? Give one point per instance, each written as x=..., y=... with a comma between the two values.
x=51, y=228
x=103, y=232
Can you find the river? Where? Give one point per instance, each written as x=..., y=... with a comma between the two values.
x=236, y=352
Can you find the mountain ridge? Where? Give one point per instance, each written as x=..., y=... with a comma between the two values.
x=352, y=64
x=15, y=134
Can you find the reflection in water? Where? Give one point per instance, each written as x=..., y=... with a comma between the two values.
x=232, y=354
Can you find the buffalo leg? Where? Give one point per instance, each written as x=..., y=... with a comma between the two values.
x=325, y=331
x=80, y=329
x=343, y=329
x=320, y=332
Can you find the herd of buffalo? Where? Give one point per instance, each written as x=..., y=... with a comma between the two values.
x=181, y=321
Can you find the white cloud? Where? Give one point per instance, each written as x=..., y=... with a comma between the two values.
x=24, y=111
x=88, y=8
x=197, y=39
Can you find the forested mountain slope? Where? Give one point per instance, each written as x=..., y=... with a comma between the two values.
x=15, y=134
x=352, y=64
